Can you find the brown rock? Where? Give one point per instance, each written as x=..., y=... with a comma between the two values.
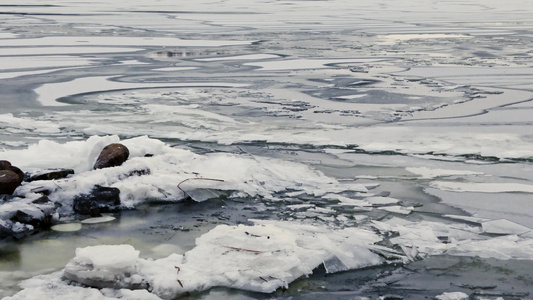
x=50, y=174
x=111, y=156
x=4, y=165
x=18, y=172
x=9, y=181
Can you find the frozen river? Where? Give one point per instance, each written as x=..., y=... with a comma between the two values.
x=384, y=148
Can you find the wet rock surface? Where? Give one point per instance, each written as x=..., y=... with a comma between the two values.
x=111, y=156
x=100, y=200
x=50, y=174
x=9, y=181
x=10, y=177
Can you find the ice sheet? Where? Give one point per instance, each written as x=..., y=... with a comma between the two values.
x=298, y=64
x=37, y=62
x=241, y=57
x=122, y=41
x=49, y=93
x=6, y=51
x=428, y=173
x=482, y=187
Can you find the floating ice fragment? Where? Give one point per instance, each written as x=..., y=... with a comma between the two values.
x=404, y=210
x=108, y=257
x=467, y=218
x=67, y=227
x=381, y=200
x=503, y=226
x=452, y=296
x=98, y=220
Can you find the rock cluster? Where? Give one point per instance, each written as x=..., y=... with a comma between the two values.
x=39, y=213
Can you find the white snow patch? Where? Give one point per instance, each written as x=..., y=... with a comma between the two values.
x=10, y=122
x=114, y=257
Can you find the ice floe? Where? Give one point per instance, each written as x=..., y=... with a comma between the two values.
x=503, y=226
x=485, y=187
x=297, y=64
x=263, y=257
x=42, y=61
x=64, y=50
x=122, y=41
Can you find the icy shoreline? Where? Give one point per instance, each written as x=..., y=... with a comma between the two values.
x=266, y=255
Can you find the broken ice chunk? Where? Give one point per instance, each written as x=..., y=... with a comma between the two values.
x=381, y=200
x=503, y=226
x=398, y=209
x=110, y=266
x=452, y=296
x=110, y=257
x=470, y=219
